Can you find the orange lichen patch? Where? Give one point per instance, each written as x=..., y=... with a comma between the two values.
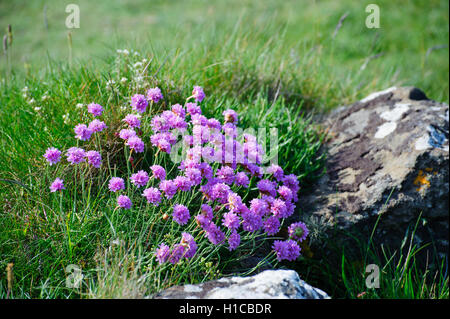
x=421, y=181
x=428, y=169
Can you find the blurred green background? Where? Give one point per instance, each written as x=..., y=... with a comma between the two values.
x=294, y=37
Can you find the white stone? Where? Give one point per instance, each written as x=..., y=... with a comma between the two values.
x=377, y=94
x=385, y=129
x=395, y=114
x=422, y=143
x=192, y=288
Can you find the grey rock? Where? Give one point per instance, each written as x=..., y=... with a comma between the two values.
x=388, y=157
x=269, y=284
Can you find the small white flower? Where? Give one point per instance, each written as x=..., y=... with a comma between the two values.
x=45, y=98
x=66, y=118
x=79, y=105
x=137, y=65
x=25, y=89
x=123, y=80
x=125, y=52
x=37, y=108
x=119, y=51
x=31, y=101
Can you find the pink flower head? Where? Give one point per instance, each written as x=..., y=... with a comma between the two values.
x=136, y=144
x=52, y=155
x=75, y=155
x=116, y=184
x=132, y=120
x=259, y=206
x=154, y=94
x=162, y=253
x=285, y=192
x=230, y=116
x=152, y=195
x=214, y=234
x=198, y=93
x=234, y=240
x=194, y=175
x=95, y=109
x=94, y=158
x=288, y=250
x=140, y=178
x=125, y=134
x=241, y=179
x=57, y=185
x=83, y=133
x=183, y=183
x=139, y=103
x=158, y=172
x=178, y=110
x=298, y=231
x=279, y=208
x=267, y=187
x=191, y=246
x=226, y=175
x=272, y=225
x=231, y=220
x=168, y=187
x=277, y=172
x=97, y=125
x=124, y=202
x=193, y=108
x=181, y=214
x=177, y=253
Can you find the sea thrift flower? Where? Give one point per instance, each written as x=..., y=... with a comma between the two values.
x=288, y=250
x=259, y=206
x=220, y=192
x=95, y=109
x=168, y=187
x=94, y=158
x=181, y=214
x=177, y=253
x=154, y=94
x=226, y=174
x=158, y=172
x=162, y=253
x=124, y=202
x=272, y=225
x=234, y=240
x=116, y=184
x=75, y=155
x=140, y=178
x=193, y=108
x=183, y=183
x=194, y=175
x=298, y=231
x=214, y=234
x=139, y=103
x=251, y=221
x=132, y=120
x=230, y=116
x=277, y=172
x=97, y=125
x=285, y=192
x=241, y=179
x=178, y=110
x=83, y=133
x=52, y=155
x=188, y=241
x=231, y=220
x=125, y=134
x=198, y=93
x=136, y=144
x=267, y=187
x=57, y=185
x=152, y=195
x=278, y=208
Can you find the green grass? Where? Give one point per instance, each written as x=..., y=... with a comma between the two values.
x=275, y=62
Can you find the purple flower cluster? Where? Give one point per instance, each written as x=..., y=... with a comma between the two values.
x=186, y=248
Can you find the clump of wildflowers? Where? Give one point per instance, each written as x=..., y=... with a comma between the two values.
x=239, y=198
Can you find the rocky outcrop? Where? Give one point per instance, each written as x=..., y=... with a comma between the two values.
x=269, y=284
x=387, y=158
